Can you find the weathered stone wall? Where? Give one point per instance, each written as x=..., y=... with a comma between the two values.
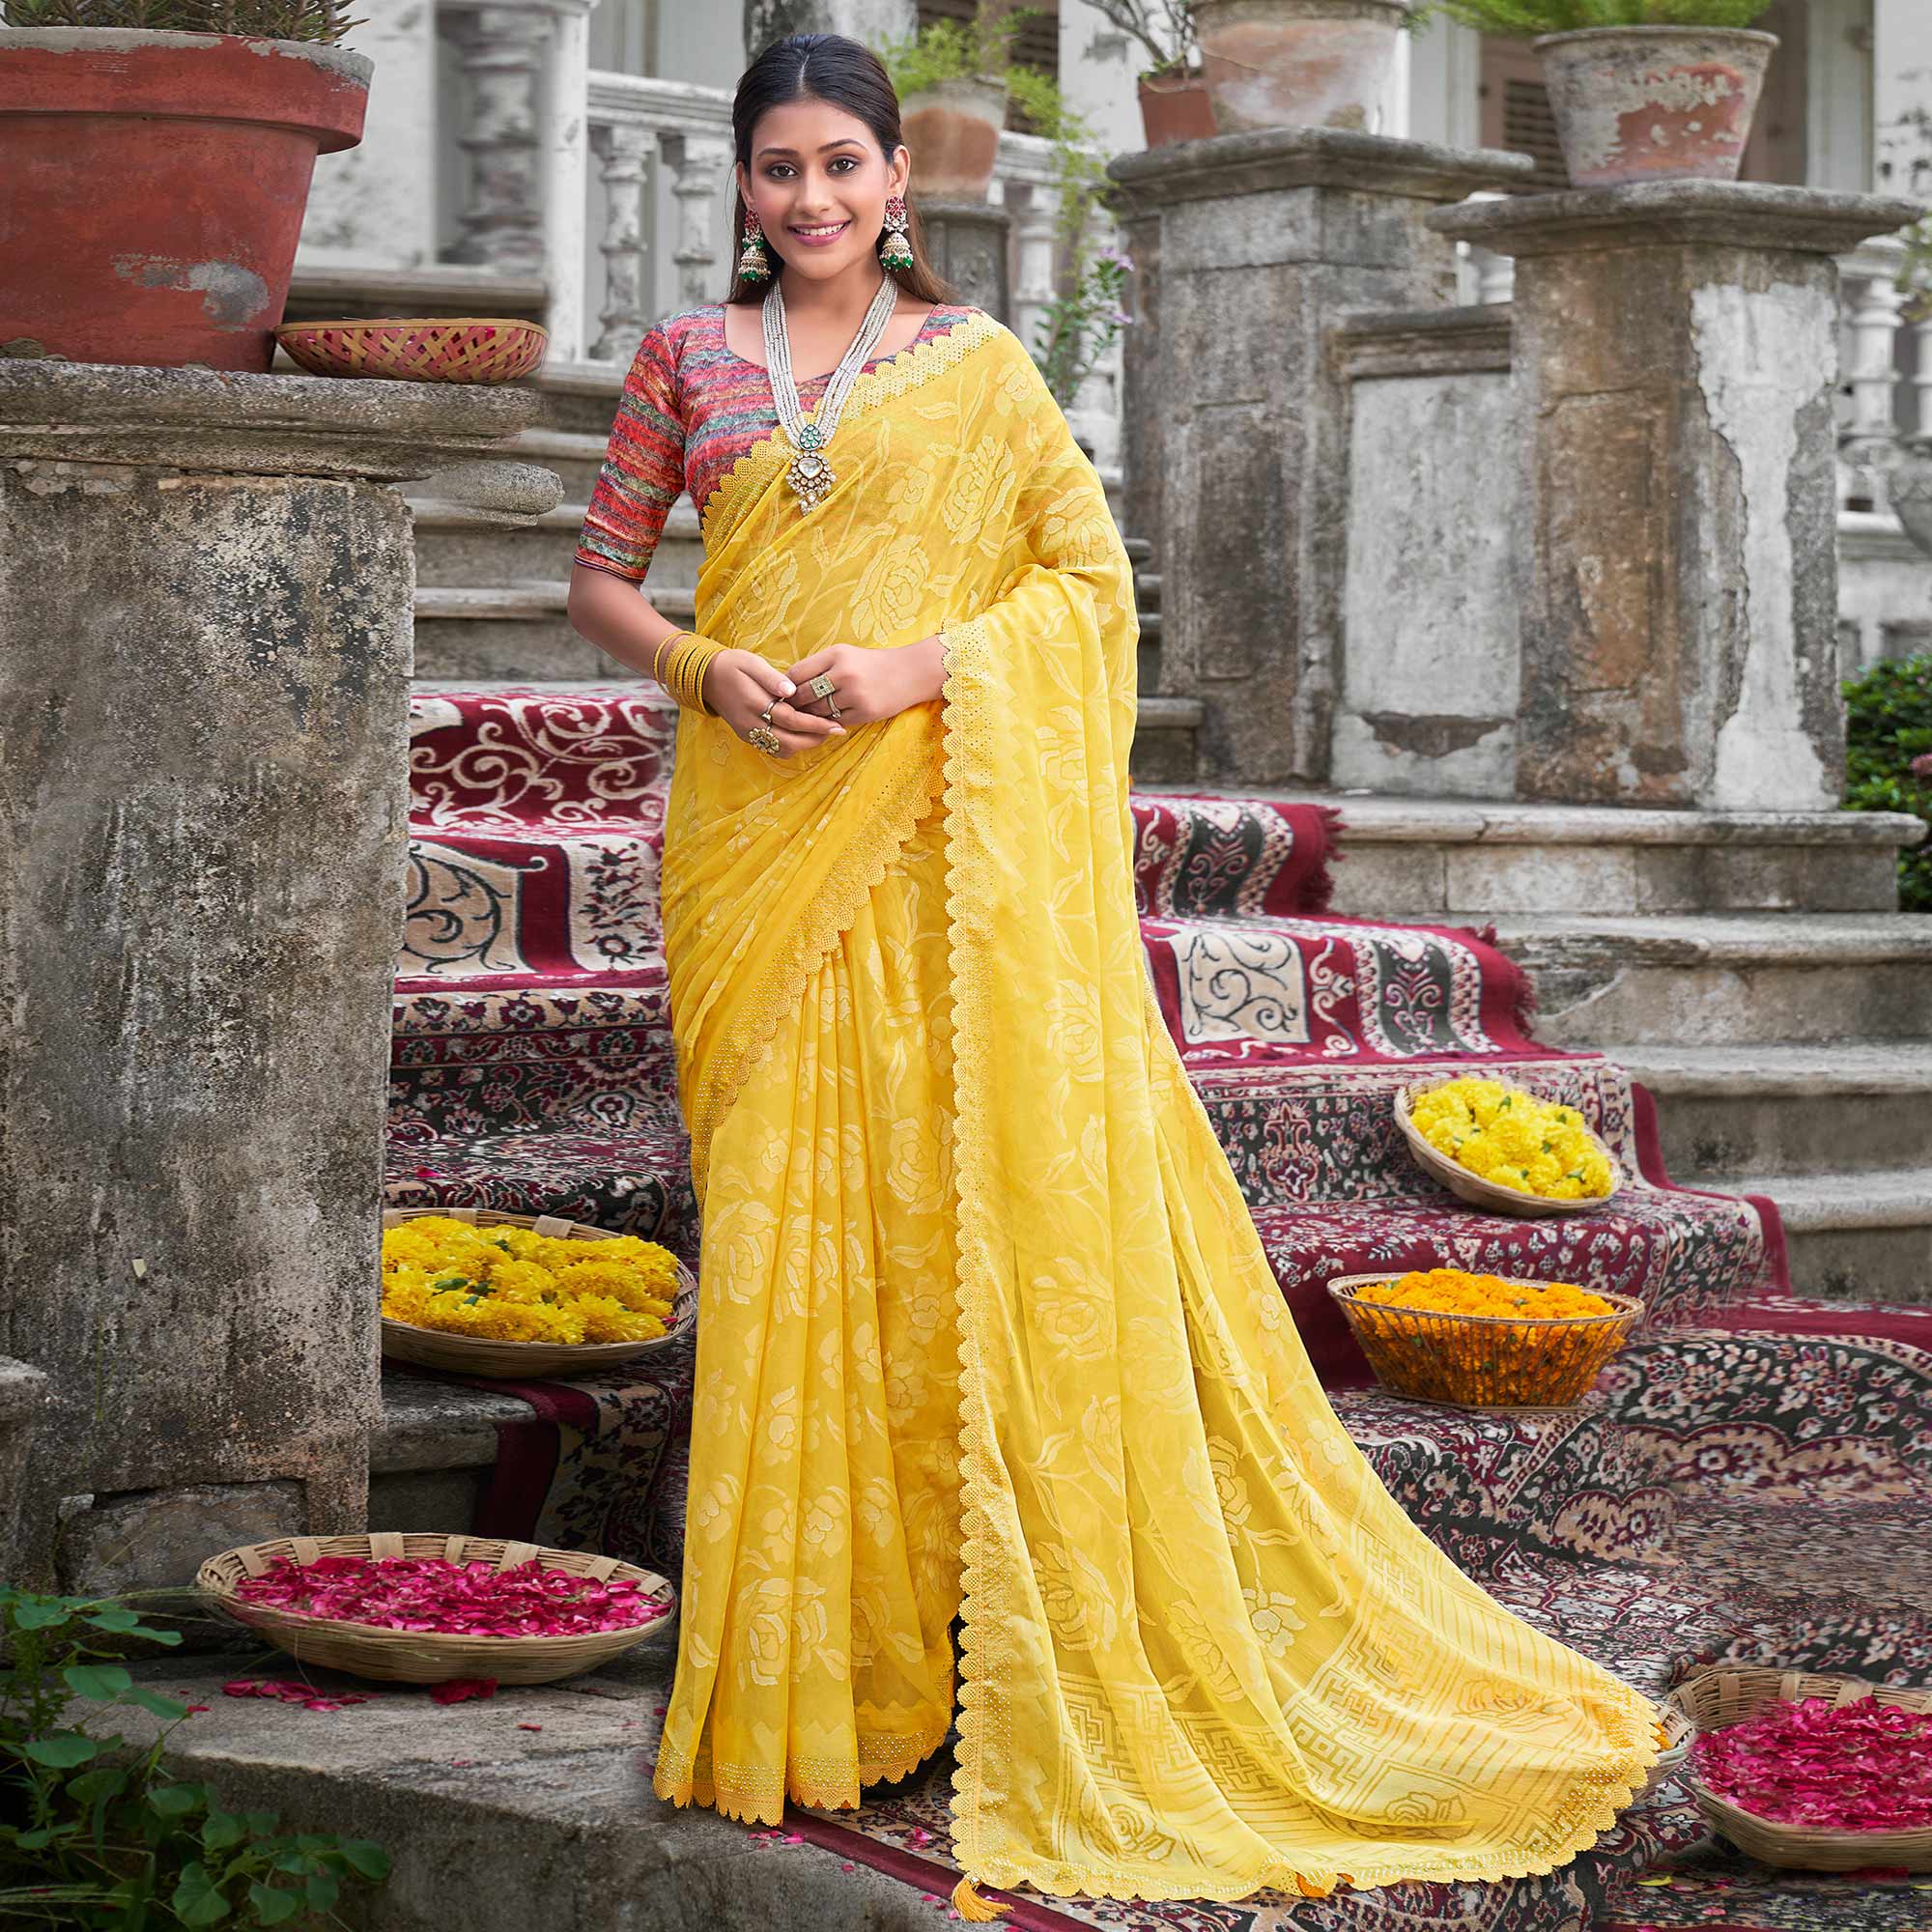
x=1430, y=653
x=1675, y=364
x=1248, y=248
x=203, y=702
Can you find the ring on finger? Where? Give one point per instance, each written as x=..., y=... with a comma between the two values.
x=821, y=685
x=766, y=713
x=764, y=738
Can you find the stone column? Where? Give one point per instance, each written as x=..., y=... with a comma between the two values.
x=1675, y=362
x=1246, y=248
x=205, y=640
x=968, y=244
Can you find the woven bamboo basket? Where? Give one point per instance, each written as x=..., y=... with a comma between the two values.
x=1485, y=1361
x=1472, y=1187
x=418, y=349
x=425, y=1656
x=1718, y=1697
x=1679, y=1733
x=476, y=1356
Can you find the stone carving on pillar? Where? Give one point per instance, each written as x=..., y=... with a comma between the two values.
x=503, y=53
x=699, y=167
x=1245, y=245
x=1675, y=366
x=623, y=151
x=1874, y=313
x=968, y=244
x=203, y=834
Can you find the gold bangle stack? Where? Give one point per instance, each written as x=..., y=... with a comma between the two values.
x=684, y=656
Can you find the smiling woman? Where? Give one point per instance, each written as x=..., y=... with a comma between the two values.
x=985, y=1329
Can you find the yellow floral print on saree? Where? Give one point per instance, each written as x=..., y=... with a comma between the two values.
x=984, y=1321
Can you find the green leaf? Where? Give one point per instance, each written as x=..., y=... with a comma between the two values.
x=116, y=1620
x=38, y=1614
x=323, y=1893
x=101, y=1783
x=176, y=1800
x=262, y=1823
x=101, y=1681
x=32, y=1842
x=366, y=1858
x=297, y=1862
x=154, y=1700
x=63, y=1750
x=271, y=1904
x=222, y=1830
x=204, y=1908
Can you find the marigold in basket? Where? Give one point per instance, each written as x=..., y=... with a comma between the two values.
x=510, y=1283
x=1512, y=1138
x=1450, y=1291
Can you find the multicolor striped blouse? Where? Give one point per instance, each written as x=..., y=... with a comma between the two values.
x=690, y=410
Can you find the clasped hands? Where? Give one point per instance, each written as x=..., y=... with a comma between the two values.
x=867, y=684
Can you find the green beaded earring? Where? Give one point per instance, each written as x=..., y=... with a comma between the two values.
x=755, y=262
x=895, y=248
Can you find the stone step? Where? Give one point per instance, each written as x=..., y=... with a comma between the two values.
x=582, y=395
x=1852, y=1236
x=1835, y=1107
x=514, y=633
x=1729, y=979
x=1165, y=739
x=464, y=548
x=577, y=456
x=1428, y=859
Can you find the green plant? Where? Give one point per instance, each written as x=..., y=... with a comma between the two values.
x=1080, y=323
x=322, y=21
x=96, y=1835
x=1165, y=28
x=1889, y=757
x=980, y=48
x=1562, y=16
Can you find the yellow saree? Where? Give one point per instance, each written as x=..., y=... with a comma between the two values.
x=984, y=1325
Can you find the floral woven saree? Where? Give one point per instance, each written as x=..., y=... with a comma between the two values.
x=984, y=1325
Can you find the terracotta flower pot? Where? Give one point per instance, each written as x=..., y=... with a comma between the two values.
x=1296, y=63
x=156, y=183
x=1175, y=107
x=1654, y=104
x=954, y=131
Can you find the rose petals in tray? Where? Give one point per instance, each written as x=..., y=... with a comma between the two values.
x=1860, y=1766
x=430, y=1593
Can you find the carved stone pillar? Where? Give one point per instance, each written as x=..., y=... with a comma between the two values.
x=501, y=52
x=700, y=167
x=205, y=592
x=1675, y=364
x=1245, y=246
x=623, y=151
x=967, y=241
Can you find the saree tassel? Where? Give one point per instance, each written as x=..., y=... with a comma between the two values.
x=970, y=1904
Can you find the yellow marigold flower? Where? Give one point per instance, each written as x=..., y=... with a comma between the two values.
x=608, y=1321
x=521, y=1281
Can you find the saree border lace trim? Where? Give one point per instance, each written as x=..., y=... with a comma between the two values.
x=821, y=1784
x=985, y=1588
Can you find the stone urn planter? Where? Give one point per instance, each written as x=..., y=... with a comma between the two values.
x=1908, y=483
x=1654, y=104
x=1296, y=63
x=156, y=182
x=953, y=128
x=1176, y=106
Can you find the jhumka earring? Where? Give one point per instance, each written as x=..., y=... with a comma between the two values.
x=754, y=262
x=895, y=248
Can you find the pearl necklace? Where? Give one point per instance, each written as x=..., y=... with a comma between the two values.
x=809, y=474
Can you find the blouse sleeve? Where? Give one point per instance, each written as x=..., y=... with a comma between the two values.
x=643, y=466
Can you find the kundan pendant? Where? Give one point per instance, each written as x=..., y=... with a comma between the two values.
x=810, y=475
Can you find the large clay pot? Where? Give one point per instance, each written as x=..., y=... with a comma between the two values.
x=152, y=187
x=954, y=131
x=1654, y=104
x=1296, y=63
x=1175, y=107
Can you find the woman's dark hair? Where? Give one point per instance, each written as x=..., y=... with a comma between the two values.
x=843, y=73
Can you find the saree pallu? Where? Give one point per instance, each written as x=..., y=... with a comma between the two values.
x=984, y=1325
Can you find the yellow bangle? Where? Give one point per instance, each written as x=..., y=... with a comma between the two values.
x=684, y=672
x=658, y=651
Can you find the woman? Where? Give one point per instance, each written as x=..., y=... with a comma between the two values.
x=984, y=1325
